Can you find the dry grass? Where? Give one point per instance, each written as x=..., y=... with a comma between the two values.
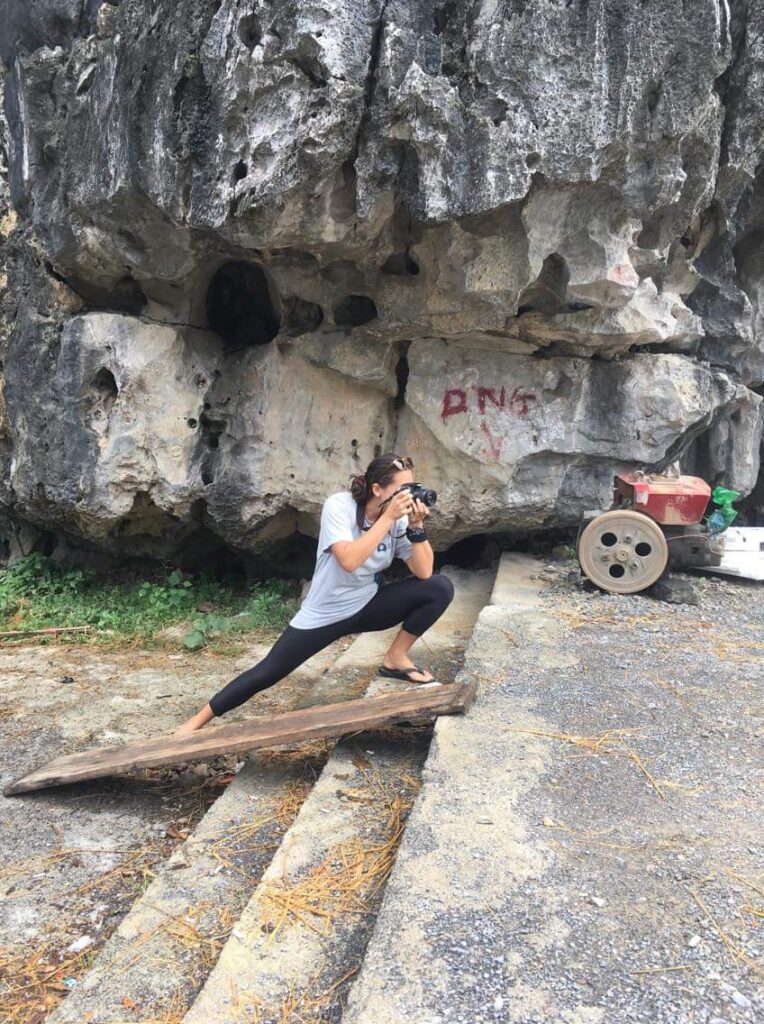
x=32, y=981
x=612, y=741
x=301, y=1005
x=349, y=876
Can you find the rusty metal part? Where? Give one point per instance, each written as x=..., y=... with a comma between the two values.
x=675, y=500
x=693, y=546
x=622, y=551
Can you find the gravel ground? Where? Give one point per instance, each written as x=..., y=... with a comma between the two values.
x=589, y=845
x=73, y=859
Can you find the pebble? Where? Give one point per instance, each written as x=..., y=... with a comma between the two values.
x=694, y=941
x=740, y=1000
x=79, y=944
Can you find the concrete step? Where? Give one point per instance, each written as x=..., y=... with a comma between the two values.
x=302, y=936
x=460, y=851
x=164, y=949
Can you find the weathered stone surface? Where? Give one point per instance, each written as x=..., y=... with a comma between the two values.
x=337, y=213
x=532, y=442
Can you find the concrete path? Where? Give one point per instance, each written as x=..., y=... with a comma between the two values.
x=586, y=846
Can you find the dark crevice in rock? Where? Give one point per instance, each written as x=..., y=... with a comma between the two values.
x=301, y=316
x=478, y=551
x=123, y=296
x=400, y=264
x=681, y=445
x=145, y=518
x=250, y=31
x=725, y=85
x=101, y=396
x=307, y=59
x=371, y=75
x=355, y=310
x=212, y=428
x=547, y=294
x=145, y=318
x=402, y=373
x=343, y=200
x=240, y=306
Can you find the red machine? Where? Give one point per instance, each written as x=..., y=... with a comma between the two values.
x=655, y=520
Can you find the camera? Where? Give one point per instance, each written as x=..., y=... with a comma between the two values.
x=423, y=494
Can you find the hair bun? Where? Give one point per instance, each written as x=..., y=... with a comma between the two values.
x=358, y=485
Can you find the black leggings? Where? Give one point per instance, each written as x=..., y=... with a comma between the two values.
x=415, y=602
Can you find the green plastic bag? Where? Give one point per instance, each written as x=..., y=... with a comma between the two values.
x=725, y=514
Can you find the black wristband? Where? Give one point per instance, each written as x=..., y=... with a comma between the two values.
x=416, y=534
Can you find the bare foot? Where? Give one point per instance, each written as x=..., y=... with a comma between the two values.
x=197, y=722
x=186, y=729
x=405, y=663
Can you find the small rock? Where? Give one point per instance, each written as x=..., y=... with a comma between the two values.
x=693, y=942
x=66, y=679
x=675, y=591
x=79, y=944
x=597, y=901
x=485, y=821
x=740, y=1000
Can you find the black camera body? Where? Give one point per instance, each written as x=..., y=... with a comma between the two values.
x=424, y=494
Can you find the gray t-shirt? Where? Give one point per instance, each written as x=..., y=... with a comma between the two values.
x=334, y=593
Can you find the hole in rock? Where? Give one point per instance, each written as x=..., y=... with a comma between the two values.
x=301, y=316
x=400, y=264
x=211, y=430
x=547, y=293
x=354, y=310
x=240, y=307
x=402, y=374
x=124, y=296
x=250, y=31
x=105, y=389
x=239, y=171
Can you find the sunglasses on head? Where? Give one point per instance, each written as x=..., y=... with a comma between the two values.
x=403, y=462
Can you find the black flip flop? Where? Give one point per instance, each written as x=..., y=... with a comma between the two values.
x=404, y=673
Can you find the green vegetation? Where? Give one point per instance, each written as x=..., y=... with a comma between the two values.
x=126, y=608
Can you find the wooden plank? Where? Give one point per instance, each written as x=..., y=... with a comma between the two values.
x=307, y=723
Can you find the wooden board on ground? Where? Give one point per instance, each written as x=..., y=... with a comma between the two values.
x=328, y=720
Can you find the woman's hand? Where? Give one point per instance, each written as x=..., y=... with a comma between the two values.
x=418, y=513
x=400, y=504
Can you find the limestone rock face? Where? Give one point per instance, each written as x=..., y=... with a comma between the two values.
x=252, y=244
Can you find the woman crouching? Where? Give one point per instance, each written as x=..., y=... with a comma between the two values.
x=362, y=531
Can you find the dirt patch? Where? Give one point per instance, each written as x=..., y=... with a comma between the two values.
x=75, y=858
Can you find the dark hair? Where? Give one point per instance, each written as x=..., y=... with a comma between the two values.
x=380, y=471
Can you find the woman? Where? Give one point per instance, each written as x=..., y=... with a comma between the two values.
x=361, y=532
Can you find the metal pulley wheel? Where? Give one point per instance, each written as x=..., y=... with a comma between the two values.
x=623, y=551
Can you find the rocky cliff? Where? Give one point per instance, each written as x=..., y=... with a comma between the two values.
x=253, y=243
